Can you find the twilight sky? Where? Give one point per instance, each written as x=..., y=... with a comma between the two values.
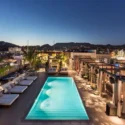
x=43, y=21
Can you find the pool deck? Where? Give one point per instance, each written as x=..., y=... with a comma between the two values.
x=15, y=115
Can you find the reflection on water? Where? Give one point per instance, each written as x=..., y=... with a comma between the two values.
x=50, y=84
x=53, y=84
x=45, y=104
x=48, y=92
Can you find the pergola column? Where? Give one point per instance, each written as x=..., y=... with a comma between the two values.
x=90, y=74
x=91, y=70
x=70, y=63
x=115, y=91
x=85, y=68
x=48, y=61
x=100, y=83
x=119, y=106
x=113, y=95
x=97, y=81
x=104, y=82
x=123, y=92
x=80, y=70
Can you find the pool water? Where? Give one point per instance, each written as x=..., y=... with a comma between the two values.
x=58, y=100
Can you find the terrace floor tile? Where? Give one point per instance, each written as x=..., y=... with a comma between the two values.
x=95, y=108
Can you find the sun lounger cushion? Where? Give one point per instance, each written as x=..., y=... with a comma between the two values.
x=31, y=77
x=1, y=94
x=12, y=85
x=8, y=99
x=18, y=89
x=52, y=70
x=7, y=89
x=6, y=96
x=25, y=82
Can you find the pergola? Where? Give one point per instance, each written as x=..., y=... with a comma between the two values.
x=105, y=73
x=86, y=60
x=118, y=83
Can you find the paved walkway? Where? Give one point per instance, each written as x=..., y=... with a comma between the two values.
x=95, y=107
x=15, y=115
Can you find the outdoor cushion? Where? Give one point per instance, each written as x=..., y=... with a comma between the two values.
x=31, y=77
x=18, y=89
x=25, y=82
x=1, y=94
x=12, y=85
x=6, y=96
x=8, y=99
x=7, y=89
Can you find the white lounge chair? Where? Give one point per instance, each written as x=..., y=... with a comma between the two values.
x=11, y=88
x=18, y=89
x=25, y=82
x=64, y=71
x=28, y=77
x=52, y=71
x=31, y=77
x=8, y=99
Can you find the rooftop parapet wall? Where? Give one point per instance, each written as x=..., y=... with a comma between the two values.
x=92, y=55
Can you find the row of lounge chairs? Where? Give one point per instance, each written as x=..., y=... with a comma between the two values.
x=10, y=91
x=63, y=71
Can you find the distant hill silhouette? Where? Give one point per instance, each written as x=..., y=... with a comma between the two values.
x=70, y=44
x=45, y=46
x=78, y=46
x=85, y=44
x=5, y=45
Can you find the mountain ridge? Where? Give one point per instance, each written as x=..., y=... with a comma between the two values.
x=5, y=45
x=63, y=45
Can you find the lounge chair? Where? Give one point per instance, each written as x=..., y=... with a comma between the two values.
x=31, y=77
x=52, y=71
x=12, y=88
x=27, y=76
x=64, y=71
x=25, y=82
x=7, y=99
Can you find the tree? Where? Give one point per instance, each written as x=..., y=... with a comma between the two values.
x=30, y=55
x=36, y=62
x=62, y=58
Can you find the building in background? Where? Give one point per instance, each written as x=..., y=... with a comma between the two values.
x=15, y=50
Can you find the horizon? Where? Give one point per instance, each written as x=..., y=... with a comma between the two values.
x=63, y=43
x=47, y=22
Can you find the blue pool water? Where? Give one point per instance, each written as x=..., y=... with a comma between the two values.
x=58, y=100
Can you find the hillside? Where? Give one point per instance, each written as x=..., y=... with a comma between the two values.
x=5, y=45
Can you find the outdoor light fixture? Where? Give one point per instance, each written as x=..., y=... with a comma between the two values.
x=116, y=64
x=97, y=61
x=12, y=64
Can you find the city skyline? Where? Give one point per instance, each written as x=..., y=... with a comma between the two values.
x=43, y=22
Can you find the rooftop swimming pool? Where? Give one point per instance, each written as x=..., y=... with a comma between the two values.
x=58, y=100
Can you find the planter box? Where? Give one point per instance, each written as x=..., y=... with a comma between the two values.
x=111, y=109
